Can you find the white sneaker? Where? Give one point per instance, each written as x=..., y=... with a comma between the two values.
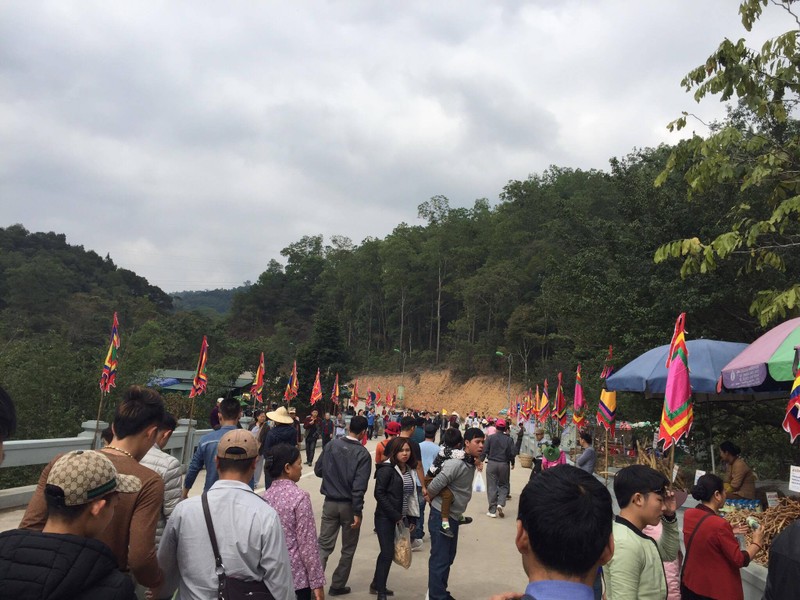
x=491, y=514
x=416, y=545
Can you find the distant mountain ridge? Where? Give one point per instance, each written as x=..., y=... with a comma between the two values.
x=218, y=301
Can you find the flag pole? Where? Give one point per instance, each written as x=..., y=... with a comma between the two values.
x=97, y=421
x=606, y=456
x=672, y=457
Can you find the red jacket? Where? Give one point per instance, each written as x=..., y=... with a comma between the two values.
x=714, y=559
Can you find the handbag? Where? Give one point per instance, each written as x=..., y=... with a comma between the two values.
x=230, y=588
x=686, y=593
x=402, y=546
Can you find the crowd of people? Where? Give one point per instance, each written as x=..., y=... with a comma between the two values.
x=118, y=522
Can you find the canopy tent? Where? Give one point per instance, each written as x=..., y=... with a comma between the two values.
x=647, y=374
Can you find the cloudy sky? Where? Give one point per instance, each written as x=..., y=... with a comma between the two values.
x=192, y=140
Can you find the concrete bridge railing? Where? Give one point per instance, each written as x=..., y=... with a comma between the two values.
x=20, y=453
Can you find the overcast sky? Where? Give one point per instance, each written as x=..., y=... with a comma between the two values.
x=193, y=140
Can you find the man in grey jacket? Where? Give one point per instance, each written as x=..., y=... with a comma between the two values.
x=499, y=452
x=588, y=457
x=456, y=474
x=345, y=467
x=168, y=467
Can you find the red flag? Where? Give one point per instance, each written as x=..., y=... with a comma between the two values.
x=200, y=376
x=292, y=386
x=316, y=391
x=335, y=392
x=354, y=395
x=258, y=382
x=109, y=376
x=607, y=368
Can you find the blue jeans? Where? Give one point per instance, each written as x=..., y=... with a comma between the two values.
x=419, y=530
x=443, y=553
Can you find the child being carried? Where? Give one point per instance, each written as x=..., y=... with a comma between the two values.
x=451, y=448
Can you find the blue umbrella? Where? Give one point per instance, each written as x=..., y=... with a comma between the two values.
x=648, y=374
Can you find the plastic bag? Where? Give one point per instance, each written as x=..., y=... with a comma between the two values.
x=402, y=546
x=477, y=484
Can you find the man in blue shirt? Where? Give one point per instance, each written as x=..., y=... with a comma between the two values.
x=206, y=453
x=564, y=534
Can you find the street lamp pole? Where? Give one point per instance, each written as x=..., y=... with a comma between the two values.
x=403, y=374
x=510, y=358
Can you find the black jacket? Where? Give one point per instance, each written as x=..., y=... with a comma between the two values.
x=388, y=492
x=50, y=566
x=280, y=434
x=345, y=467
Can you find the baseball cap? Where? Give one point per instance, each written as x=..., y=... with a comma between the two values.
x=237, y=444
x=393, y=428
x=81, y=476
x=501, y=423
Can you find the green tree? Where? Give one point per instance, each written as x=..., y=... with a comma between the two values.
x=755, y=153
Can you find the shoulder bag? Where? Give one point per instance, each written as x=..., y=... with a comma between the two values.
x=686, y=593
x=231, y=588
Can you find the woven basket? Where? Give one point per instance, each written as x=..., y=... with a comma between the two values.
x=526, y=460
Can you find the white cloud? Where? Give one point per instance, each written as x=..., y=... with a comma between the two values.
x=194, y=140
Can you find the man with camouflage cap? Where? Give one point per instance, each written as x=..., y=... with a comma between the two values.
x=81, y=495
x=131, y=535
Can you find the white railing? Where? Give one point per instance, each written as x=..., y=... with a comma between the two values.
x=20, y=453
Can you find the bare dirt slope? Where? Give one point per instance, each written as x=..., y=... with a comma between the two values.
x=437, y=390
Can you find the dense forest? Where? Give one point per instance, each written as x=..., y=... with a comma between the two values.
x=217, y=301
x=557, y=268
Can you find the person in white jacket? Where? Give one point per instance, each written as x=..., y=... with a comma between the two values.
x=168, y=467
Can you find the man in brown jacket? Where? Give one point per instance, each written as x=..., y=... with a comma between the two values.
x=131, y=534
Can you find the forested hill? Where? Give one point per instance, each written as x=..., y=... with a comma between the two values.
x=546, y=278
x=217, y=301
x=556, y=271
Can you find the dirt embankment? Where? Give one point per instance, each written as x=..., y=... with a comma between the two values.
x=437, y=390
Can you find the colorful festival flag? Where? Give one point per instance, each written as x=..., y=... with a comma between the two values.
x=316, y=391
x=354, y=395
x=791, y=423
x=607, y=410
x=677, y=414
x=560, y=413
x=607, y=407
x=607, y=368
x=258, y=382
x=108, y=378
x=292, y=386
x=537, y=404
x=200, y=376
x=544, y=409
x=579, y=403
x=335, y=392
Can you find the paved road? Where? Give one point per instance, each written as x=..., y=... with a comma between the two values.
x=487, y=560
